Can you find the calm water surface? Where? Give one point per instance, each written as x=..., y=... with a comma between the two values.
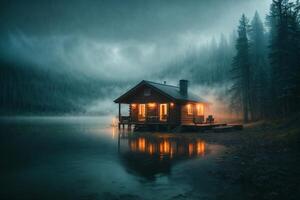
x=85, y=158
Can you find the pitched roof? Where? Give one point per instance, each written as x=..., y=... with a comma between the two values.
x=168, y=90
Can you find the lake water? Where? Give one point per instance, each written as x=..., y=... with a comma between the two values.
x=85, y=158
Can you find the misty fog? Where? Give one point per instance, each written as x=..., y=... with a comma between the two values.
x=93, y=52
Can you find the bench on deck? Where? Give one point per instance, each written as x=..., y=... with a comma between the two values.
x=199, y=120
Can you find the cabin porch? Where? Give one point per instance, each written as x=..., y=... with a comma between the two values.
x=150, y=114
x=163, y=117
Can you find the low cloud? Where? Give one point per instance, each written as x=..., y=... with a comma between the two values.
x=105, y=60
x=119, y=43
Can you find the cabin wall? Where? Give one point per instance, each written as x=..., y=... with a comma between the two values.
x=173, y=112
x=152, y=111
x=140, y=96
x=189, y=118
x=185, y=117
x=133, y=112
x=178, y=113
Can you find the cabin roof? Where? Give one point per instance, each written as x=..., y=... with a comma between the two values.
x=170, y=91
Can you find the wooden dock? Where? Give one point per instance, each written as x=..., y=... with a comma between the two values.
x=200, y=127
x=165, y=127
x=227, y=128
x=216, y=127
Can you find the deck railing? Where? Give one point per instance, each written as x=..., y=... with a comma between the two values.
x=148, y=119
x=152, y=119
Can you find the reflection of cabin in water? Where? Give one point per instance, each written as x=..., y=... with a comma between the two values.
x=152, y=154
x=161, y=105
x=171, y=147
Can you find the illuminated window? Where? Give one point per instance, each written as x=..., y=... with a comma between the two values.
x=142, y=110
x=163, y=112
x=151, y=105
x=200, y=109
x=189, y=109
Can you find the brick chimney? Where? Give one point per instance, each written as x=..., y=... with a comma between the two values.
x=183, y=87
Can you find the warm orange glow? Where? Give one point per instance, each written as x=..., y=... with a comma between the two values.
x=151, y=149
x=152, y=105
x=189, y=109
x=133, y=146
x=171, y=104
x=141, y=144
x=200, y=109
x=166, y=147
x=161, y=147
x=113, y=132
x=163, y=112
x=133, y=106
x=142, y=111
x=200, y=148
x=114, y=122
x=191, y=149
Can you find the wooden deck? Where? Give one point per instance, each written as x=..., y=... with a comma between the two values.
x=215, y=127
x=165, y=126
x=228, y=127
x=200, y=127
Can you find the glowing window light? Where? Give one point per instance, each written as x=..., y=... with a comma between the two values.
x=142, y=110
x=200, y=109
x=166, y=147
x=151, y=149
x=133, y=106
x=151, y=105
x=200, y=148
x=141, y=144
x=163, y=112
x=189, y=109
x=191, y=149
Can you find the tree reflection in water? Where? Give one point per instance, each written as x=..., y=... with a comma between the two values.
x=148, y=155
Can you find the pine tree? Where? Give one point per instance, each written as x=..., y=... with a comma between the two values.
x=223, y=58
x=241, y=69
x=284, y=52
x=259, y=87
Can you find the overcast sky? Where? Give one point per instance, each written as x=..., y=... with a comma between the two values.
x=109, y=38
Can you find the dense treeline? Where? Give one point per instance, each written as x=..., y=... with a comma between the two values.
x=260, y=60
x=207, y=65
x=34, y=90
x=266, y=66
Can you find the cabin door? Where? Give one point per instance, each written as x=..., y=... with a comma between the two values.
x=163, y=112
x=142, y=112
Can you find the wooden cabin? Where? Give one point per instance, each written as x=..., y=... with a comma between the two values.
x=165, y=105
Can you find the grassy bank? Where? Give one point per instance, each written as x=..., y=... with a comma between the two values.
x=263, y=160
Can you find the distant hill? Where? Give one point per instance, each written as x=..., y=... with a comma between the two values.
x=28, y=90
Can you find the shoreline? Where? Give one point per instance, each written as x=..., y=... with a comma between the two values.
x=262, y=160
